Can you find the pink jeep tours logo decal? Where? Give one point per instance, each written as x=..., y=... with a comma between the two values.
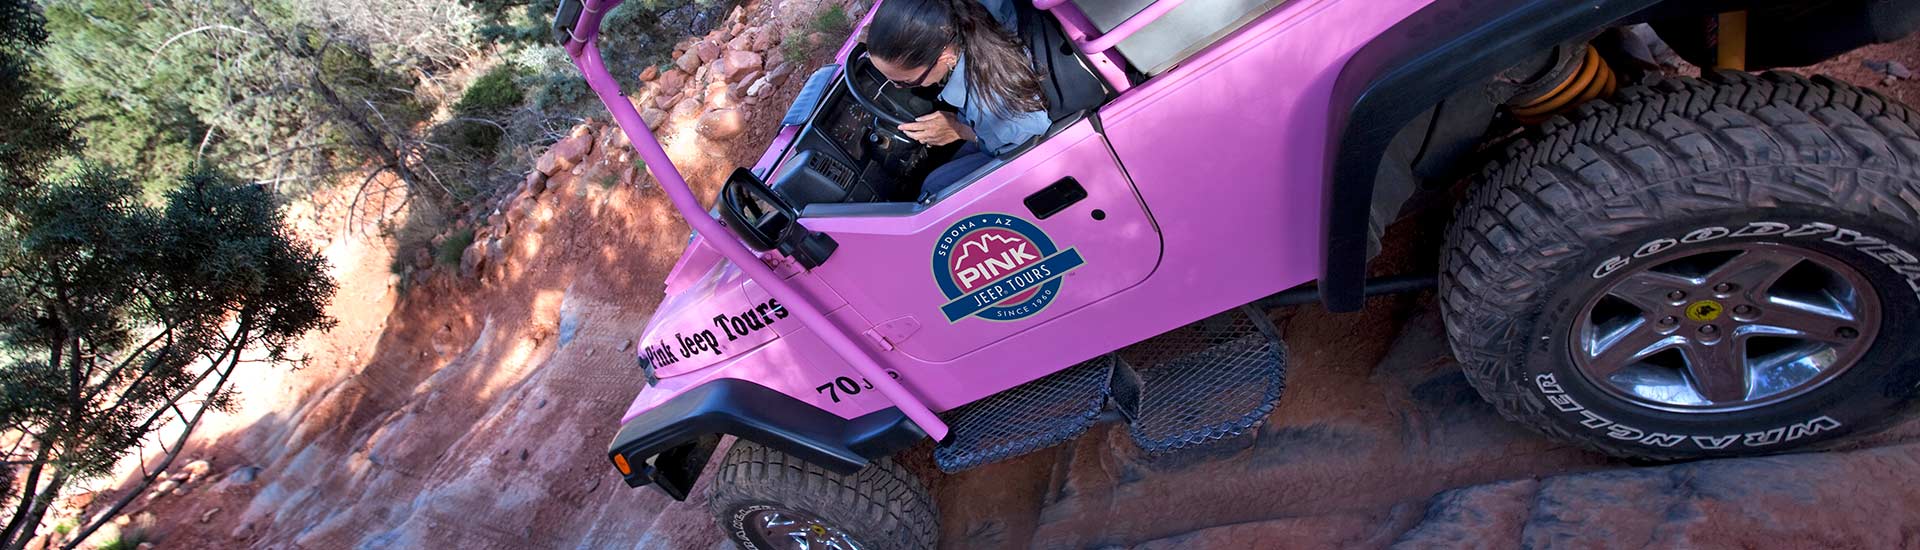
x=999, y=268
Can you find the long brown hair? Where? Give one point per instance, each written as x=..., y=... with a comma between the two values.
x=915, y=32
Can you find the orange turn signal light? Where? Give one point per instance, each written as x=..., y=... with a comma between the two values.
x=620, y=461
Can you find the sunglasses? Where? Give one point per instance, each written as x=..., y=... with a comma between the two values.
x=917, y=81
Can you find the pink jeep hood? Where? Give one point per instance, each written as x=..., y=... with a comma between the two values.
x=708, y=315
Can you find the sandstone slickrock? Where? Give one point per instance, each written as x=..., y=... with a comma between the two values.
x=1855, y=499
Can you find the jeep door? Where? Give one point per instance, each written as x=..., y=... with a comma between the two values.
x=1050, y=231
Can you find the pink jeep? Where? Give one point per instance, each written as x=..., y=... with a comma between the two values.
x=1652, y=267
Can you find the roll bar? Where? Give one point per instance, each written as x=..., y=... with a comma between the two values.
x=1099, y=47
x=576, y=24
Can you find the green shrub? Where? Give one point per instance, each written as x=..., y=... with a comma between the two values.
x=832, y=23
x=451, y=249
x=495, y=92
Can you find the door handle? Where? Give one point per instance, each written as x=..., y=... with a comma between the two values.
x=1053, y=198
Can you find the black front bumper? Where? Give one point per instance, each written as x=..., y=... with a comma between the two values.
x=669, y=445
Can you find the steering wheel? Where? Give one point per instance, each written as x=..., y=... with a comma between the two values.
x=886, y=119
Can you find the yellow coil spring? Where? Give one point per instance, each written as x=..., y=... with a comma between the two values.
x=1592, y=80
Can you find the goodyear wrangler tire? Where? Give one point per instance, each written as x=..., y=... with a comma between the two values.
x=1697, y=268
x=767, y=500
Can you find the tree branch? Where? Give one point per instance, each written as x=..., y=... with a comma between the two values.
x=180, y=443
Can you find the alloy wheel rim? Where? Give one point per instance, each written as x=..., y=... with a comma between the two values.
x=1725, y=328
x=796, y=530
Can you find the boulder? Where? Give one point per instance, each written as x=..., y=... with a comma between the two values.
x=776, y=57
x=759, y=87
x=616, y=140
x=653, y=117
x=719, y=96
x=536, y=184
x=707, y=50
x=744, y=41
x=496, y=252
x=497, y=219
x=738, y=15
x=667, y=101
x=473, y=259
x=547, y=163
x=764, y=39
x=181, y=490
x=686, y=108
x=650, y=73
x=739, y=28
x=778, y=75
x=517, y=215
x=672, y=81
x=163, y=488
x=739, y=90
x=568, y=152
x=199, y=467
x=740, y=64
x=688, y=61
x=722, y=124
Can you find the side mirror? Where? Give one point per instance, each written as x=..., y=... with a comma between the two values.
x=765, y=221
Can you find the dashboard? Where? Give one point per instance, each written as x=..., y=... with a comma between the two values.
x=843, y=156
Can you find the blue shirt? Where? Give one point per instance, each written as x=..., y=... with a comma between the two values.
x=994, y=133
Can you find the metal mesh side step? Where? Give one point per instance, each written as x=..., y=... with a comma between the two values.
x=1207, y=381
x=1027, y=418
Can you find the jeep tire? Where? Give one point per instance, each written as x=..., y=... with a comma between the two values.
x=1696, y=268
x=767, y=500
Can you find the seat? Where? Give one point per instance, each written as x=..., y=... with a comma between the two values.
x=1068, y=84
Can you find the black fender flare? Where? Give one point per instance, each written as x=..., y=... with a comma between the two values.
x=668, y=446
x=1407, y=70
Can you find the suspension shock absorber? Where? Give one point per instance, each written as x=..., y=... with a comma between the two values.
x=1583, y=79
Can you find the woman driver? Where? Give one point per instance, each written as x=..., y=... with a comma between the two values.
x=987, y=76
